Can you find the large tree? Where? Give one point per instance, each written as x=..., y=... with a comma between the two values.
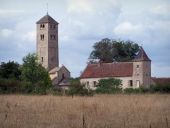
x=10, y=70
x=33, y=72
x=108, y=50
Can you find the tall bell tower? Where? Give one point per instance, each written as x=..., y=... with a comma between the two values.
x=47, y=42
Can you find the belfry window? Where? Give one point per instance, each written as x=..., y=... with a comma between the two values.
x=42, y=36
x=52, y=37
x=42, y=26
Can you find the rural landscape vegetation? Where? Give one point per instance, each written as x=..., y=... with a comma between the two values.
x=28, y=97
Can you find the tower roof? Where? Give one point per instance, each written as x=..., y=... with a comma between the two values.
x=141, y=56
x=47, y=19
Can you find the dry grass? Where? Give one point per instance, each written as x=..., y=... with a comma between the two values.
x=100, y=111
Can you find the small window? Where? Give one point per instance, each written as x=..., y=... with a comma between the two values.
x=130, y=83
x=137, y=66
x=94, y=83
x=42, y=59
x=87, y=83
x=52, y=37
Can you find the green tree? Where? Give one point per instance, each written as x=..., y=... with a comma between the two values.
x=110, y=85
x=34, y=73
x=10, y=70
x=108, y=50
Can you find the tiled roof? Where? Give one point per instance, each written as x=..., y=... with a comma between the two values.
x=141, y=56
x=47, y=19
x=161, y=81
x=121, y=69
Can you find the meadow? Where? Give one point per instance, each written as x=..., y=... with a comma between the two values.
x=99, y=111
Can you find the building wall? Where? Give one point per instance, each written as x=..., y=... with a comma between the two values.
x=89, y=82
x=47, y=48
x=63, y=73
x=142, y=74
x=59, y=75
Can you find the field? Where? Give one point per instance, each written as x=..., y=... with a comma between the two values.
x=100, y=111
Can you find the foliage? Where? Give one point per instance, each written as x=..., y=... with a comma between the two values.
x=110, y=85
x=108, y=50
x=10, y=70
x=160, y=88
x=76, y=88
x=33, y=72
x=9, y=86
x=132, y=90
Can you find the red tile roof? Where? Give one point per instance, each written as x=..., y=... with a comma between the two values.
x=161, y=81
x=121, y=69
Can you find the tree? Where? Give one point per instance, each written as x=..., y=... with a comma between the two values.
x=10, y=70
x=33, y=72
x=110, y=85
x=108, y=50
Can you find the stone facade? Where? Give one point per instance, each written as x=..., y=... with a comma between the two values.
x=47, y=50
x=47, y=43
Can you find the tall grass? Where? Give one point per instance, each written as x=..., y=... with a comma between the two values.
x=100, y=111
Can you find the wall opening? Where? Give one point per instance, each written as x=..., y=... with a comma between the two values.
x=130, y=83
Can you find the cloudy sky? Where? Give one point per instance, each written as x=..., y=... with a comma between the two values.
x=84, y=22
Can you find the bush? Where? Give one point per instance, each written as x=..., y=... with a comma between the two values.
x=109, y=86
x=9, y=86
x=132, y=90
x=76, y=88
x=160, y=88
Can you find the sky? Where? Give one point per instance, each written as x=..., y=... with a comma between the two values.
x=85, y=22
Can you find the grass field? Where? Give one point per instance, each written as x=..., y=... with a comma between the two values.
x=100, y=111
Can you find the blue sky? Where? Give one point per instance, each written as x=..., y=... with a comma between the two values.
x=84, y=22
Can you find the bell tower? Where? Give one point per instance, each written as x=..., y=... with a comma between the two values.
x=47, y=42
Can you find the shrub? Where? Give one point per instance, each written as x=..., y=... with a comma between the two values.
x=9, y=86
x=160, y=88
x=76, y=88
x=109, y=86
x=132, y=90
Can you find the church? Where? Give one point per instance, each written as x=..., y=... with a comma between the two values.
x=48, y=51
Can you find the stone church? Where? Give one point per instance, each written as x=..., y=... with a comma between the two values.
x=48, y=50
x=134, y=74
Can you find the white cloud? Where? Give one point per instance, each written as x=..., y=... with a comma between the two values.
x=6, y=32
x=79, y=6
x=161, y=9
x=127, y=28
x=29, y=36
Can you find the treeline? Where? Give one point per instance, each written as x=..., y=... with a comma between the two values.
x=32, y=78
x=29, y=78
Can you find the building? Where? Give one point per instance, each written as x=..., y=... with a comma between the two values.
x=134, y=74
x=48, y=52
